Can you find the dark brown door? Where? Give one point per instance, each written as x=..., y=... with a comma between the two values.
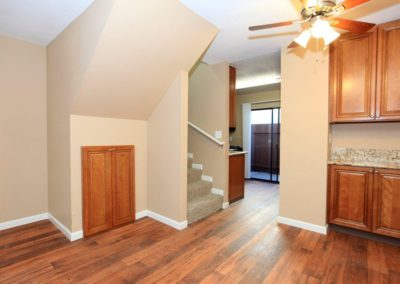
x=97, y=194
x=108, y=187
x=388, y=87
x=386, y=216
x=123, y=184
x=353, y=77
x=350, y=197
x=232, y=97
x=236, y=178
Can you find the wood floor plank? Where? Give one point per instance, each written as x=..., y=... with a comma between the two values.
x=242, y=244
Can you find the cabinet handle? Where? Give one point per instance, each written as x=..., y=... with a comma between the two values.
x=109, y=150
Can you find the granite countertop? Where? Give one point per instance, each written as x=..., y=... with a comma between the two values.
x=235, y=153
x=388, y=159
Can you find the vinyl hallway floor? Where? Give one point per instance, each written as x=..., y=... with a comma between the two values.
x=242, y=244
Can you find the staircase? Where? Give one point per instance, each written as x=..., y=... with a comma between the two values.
x=201, y=201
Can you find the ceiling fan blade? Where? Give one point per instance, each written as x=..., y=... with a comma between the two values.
x=350, y=4
x=269, y=26
x=351, y=25
x=293, y=44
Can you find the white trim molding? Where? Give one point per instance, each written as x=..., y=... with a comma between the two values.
x=197, y=166
x=206, y=178
x=217, y=191
x=190, y=155
x=72, y=236
x=142, y=214
x=23, y=221
x=225, y=205
x=302, y=225
x=167, y=221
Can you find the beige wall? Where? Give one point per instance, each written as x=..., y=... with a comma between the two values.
x=209, y=109
x=68, y=58
x=253, y=95
x=167, y=152
x=97, y=131
x=304, y=136
x=369, y=135
x=143, y=46
x=23, y=166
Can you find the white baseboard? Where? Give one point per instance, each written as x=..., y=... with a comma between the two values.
x=23, y=221
x=225, y=205
x=217, y=191
x=167, y=221
x=302, y=225
x=190, y=155
x=72, y=236
x=142, y=214
x=207, y=178
x=197, y=166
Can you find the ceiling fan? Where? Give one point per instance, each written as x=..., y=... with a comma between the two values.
x=321, y=17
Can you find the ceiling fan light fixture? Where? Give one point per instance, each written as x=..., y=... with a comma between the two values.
x=331, y=36
x=303, y=38
x=320, y=28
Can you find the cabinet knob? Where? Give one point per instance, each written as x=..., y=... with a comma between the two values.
x=109, y=150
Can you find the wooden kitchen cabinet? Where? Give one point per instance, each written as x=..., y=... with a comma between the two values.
x=232, y=98
x=236, y=177
x=388, y=83
x=364, y=198
x=386, y=211
x=108, y=188
x=353, y=77
x=350, y=197
x=364, y=72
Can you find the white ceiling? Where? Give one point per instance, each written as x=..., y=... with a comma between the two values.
x=39, y=21
x=236, y=43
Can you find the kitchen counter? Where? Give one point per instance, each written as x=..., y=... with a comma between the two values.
x=235, y=153
x=373, y=158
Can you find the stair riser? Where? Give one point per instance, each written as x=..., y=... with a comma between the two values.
x=198, y=190
x=194, y=175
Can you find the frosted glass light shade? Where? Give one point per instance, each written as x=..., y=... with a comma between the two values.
x=303, y=38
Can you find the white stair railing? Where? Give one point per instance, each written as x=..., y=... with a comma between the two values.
x=198, y=129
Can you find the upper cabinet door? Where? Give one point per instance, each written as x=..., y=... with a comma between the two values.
x=123, y=180
x=353, y=77
x=232, y=97
x=388, y=88
x=350, y=197
x=387, y=203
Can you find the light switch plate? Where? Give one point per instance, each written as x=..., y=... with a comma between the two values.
x=218, y=134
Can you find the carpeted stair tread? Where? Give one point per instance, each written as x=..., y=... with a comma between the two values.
x=202, y=206
x=194, y=175
x=198, y=188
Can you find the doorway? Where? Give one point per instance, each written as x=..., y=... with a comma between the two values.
x=265, y=144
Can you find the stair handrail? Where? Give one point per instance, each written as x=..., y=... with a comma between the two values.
x=212, y=138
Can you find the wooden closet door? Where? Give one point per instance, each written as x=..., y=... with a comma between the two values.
x=353, y=78
x=388, y=87
x=97, y=194
x=387, y=203
x=123, y=180
x=350, y=197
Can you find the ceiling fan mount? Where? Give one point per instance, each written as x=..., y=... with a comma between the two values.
x=326, y=8
x=322, y=18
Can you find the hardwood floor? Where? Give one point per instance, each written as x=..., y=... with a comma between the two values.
x=242, y=244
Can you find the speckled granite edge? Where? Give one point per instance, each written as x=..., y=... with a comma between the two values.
x=388, y=159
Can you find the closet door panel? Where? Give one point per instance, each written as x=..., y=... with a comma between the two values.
x=97, y=206
x=123, y=185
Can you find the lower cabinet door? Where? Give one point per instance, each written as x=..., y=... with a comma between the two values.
x=386, y=213
x=236, y=178
x=350, y=197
